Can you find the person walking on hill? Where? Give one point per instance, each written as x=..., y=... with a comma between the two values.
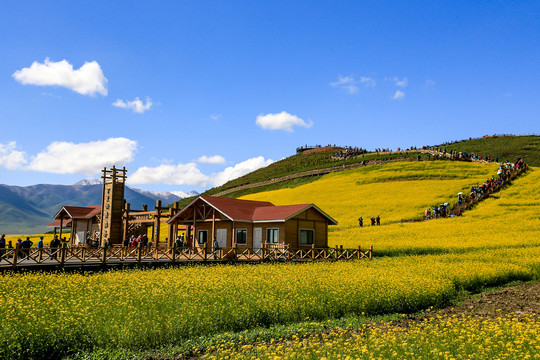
x=378, y=219
x=360, y=221
x=372, y=221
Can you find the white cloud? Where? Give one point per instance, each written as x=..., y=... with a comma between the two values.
x=240, y=169
x=346, y=83
x=216, y=159
x=281, y=121
x=136, y=105
x=350, y=85
x=189, y=174
x=86, y=158
x=87, y=80
x=402, y=83
x=215, y=116
x=399, y=95
x=10, y=158
x=181, y=174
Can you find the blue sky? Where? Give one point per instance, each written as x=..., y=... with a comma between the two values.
x=187, y=95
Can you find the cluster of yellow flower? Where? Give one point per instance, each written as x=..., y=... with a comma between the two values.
x=143, y=309
x=395, y=191
x=436, y=338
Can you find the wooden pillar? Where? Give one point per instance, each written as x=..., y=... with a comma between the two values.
x=15, y=255
x=188, y=234
x=175, y=224
x=127, y=208
x=194, y=228
x=73, y=228
x=233, y=236
x=61, y=225
x=157, y=229
x=172, y=236
x=214, y=226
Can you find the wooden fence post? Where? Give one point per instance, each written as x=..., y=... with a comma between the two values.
x=359, y=251
x=370, y=251
x=15, y=255
x=173, y=253
x=104, y=257
x=62, y=253
x=312, y=251
x=204, y=252
x=139, y=253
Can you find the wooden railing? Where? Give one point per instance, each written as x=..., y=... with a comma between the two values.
x=78, y=255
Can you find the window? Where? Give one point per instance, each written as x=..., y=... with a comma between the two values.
x=203, y=237
x=272, y=236
x=241, y=236
x=306, y=237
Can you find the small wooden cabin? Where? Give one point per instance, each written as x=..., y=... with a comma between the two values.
x=249, y=224
x=81, y=221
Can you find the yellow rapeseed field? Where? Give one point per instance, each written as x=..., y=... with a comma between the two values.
x=395, y=191
x=54, y=315
x=511, y=218
x=147, y=309
x=456, y=338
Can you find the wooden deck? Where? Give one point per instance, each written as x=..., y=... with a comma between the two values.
x=102, y=257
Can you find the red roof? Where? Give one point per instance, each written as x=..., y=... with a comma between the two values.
x=79, y=212
x=56, y=223
x=278, y=212
x=236, y=209
x=250, y=210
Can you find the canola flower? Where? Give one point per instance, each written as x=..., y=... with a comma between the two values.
x=395, y=191
x=62, y=313
x=53, y=315
x=465, y=337
x=510, y=219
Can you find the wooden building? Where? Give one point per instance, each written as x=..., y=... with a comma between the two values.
x=250, y=224
x=80, y=220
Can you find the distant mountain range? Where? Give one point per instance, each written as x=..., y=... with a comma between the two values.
x=28, y=209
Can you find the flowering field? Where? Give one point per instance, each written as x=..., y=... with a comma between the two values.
x=395, y=191
x=454, y=338
x=510, y=219
x=129, y=312
x=57, y=313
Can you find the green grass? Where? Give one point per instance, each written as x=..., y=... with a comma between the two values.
x=507, y=148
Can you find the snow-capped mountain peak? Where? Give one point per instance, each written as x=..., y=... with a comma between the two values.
x=88, y=182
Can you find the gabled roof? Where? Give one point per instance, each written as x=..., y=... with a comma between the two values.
x=252, y=211
x=56, y=223
x=235, y=209
x=79, y=212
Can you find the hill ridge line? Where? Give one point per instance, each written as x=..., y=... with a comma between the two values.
x=324, y=171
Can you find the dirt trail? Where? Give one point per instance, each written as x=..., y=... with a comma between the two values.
x=521, y=300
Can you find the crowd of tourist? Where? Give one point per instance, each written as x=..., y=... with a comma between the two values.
x=349, y=152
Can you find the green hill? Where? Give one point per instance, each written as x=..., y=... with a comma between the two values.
x=506, y=148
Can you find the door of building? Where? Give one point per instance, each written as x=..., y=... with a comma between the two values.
x=81, y=237
x=257, y=238
x=221, y=236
